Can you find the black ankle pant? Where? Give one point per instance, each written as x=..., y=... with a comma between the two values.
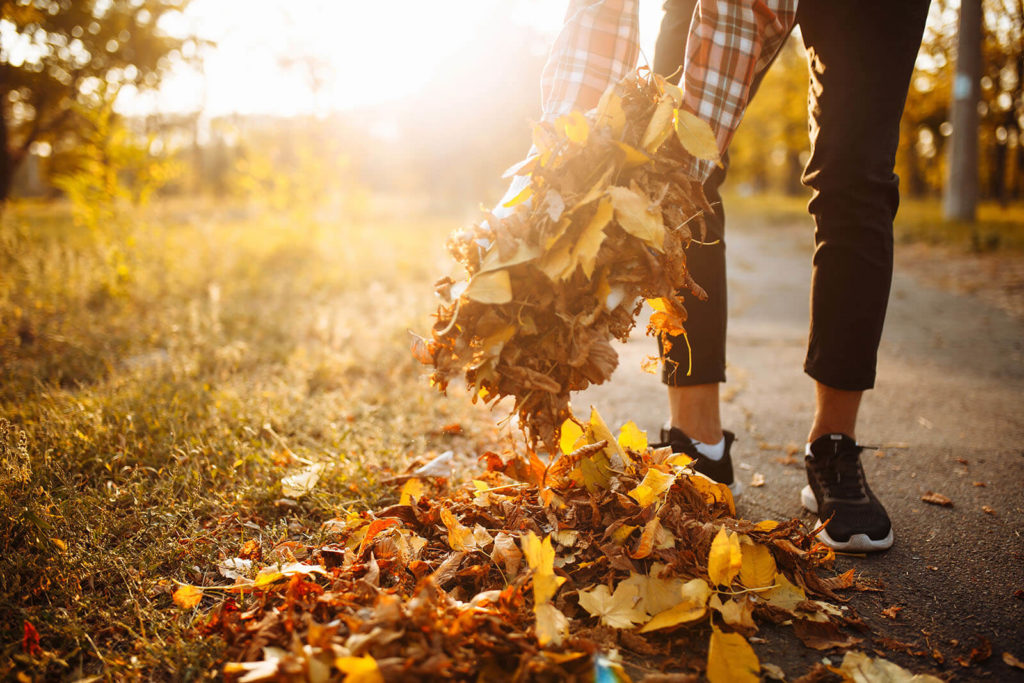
x=861, y=58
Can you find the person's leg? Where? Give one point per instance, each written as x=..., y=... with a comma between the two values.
x=862, y=56
x=693, y=371
x=835, y=412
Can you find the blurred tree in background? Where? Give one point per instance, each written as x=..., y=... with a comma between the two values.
x=56, y=54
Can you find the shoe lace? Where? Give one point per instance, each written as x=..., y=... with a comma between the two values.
x=844, y=477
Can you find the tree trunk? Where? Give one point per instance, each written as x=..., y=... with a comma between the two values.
x=961, y=195
x=6, y=159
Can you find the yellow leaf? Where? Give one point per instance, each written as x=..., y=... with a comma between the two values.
x=660, y=125
x=725, y=558
x=609, y=111
x=540, y=557
x=766, y=525
x=731, y=659
x=858, y=667
x=597, y=190
x=359, y=669
x=460, y=537
x=492, y=259
x=584, y=251
x=575, y=126
x=569, y=436
x=785, y=595
x=494, y=287
x=631, y=436
x=599, y=431
x=670, y=89
x=411, y=490
x=696, y=136
x=187, y=597
x=634, y=214
x=299, y=484
x=618, y=609
x=622, y=533
x=523, y=195
x=653, y=485
x=557, y=262
x=691, y=607
x=713, y=491
x=648, y=539
x=737, y=612
x=656, y=594
x=632, y=157
x=758, y=569
x=551, y=624
x=679, y=460
x=59, y=543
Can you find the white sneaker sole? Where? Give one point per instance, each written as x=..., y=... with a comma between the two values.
x=858, y=543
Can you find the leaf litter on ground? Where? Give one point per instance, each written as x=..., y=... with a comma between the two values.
x=562, y=567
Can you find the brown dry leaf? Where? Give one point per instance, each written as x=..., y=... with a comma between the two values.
x=731, y=659
x=1010, y=660
x=822, y=635
x=891, y=611
x=725, y=559
x=506, y=554
x=937, y=499
x=757, y=480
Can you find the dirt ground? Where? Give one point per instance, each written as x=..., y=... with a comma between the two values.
x=947, y=411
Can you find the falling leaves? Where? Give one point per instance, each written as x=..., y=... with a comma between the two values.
x=602, y=221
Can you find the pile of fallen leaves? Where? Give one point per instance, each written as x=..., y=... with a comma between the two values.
x=602, y=225
x=613, y=553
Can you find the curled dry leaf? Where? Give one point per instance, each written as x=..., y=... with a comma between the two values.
x=937, y=499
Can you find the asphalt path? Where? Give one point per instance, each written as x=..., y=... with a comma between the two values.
x=948, y=413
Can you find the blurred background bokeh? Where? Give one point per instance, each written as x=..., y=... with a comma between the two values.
x=321, y=99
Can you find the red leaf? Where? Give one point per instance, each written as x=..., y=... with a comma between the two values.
x=30, y=641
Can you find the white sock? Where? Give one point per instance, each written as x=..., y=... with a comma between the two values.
x=714, y=451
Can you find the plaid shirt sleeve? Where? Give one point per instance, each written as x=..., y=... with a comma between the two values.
x=730, y=42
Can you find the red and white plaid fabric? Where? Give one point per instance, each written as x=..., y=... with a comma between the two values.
x=730, y=42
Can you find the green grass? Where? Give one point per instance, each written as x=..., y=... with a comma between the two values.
x=918, y=221
x=163, y=377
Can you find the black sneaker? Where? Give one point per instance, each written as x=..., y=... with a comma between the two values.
x=719, y=470
x=839, y=493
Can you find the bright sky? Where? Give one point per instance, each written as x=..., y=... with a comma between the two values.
x=375, y=50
